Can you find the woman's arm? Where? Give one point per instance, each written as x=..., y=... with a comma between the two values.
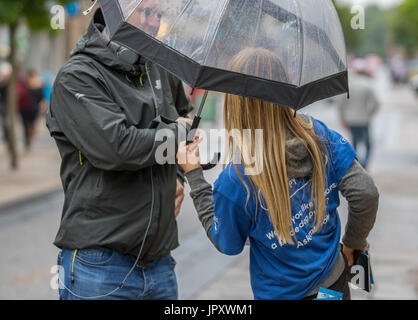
x=202, y=195
x=363, y=198
x=226, y=224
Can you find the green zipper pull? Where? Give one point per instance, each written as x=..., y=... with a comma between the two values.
x=80, y=158
x=142, y=76
x=72, y=266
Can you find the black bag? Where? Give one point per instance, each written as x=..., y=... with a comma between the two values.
x=360, y=273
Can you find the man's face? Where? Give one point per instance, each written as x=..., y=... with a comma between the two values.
x=147, y=17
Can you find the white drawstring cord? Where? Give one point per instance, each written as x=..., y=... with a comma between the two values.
x=90, y=9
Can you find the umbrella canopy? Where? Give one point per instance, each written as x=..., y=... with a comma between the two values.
x=196, y=40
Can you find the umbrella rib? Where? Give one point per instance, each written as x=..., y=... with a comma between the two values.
x=178, y=17
x=329, y=47
x=302, y=42
x=133, y=10
x=226, y=3
x=341, y=33
x=208, y=33
x=258, y=22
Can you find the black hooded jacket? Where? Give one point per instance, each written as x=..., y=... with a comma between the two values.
x=104, y=121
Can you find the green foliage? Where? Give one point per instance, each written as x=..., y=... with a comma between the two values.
x=399, y=25
x=10, y=11
x=404, y=24
x=34, y=12
x=376, y=32
x=353, y=38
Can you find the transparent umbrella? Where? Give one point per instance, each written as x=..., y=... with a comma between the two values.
x=196, y=40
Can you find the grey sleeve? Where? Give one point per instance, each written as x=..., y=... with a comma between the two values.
x=202, y=195
x=183, y=131
x=363, y=198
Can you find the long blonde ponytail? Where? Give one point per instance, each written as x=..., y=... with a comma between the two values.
x=277, y=122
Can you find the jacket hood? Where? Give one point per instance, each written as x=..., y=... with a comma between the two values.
x=298, y=160
x=95, y=45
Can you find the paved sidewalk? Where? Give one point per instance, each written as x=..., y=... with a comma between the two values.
x=38, y=171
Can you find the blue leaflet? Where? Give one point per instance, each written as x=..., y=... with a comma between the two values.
x=327, y=294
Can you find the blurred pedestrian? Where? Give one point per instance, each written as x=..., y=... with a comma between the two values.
x=398, y=69
x=31, y=99
x=288, y=210
x=23, y=106
x=48, y=81
x=5, y=73
x=118, y=224
x=357, y=112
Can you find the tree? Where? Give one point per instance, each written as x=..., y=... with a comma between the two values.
x=353, y=38
x=405, y=26
x=375, y=35
x=12, y=13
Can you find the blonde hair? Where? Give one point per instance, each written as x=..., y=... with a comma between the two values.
x=277, y=123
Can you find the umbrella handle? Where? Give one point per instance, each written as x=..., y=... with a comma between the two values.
x=197, y=118
x=195, y=125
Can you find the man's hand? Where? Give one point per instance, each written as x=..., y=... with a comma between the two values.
x=179, y=198
x=349, y=253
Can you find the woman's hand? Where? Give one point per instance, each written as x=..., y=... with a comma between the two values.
x=349, y=253
x=188, y=156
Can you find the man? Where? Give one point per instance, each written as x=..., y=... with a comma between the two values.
x=147, y=17
x=357, y=112
x=118, y=223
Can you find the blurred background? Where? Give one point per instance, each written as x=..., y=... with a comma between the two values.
x=383, y=65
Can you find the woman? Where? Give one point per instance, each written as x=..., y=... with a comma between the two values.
x=288, y=211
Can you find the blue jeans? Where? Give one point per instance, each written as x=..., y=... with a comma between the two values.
x=360, y=134
x=94, y=273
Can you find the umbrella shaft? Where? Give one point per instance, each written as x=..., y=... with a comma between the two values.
x=197, y=118
x=202, y=104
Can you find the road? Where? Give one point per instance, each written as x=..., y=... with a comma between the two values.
x=27, y=231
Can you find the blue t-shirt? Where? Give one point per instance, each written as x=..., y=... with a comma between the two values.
x=288, y=271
